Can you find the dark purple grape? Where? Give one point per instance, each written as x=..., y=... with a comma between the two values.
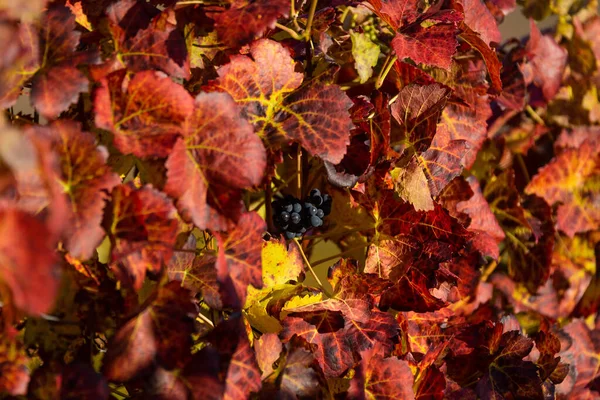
x=320, y=213
x=290, y=235
x=310, y=209
x=296, y=218
x=302, y=230
x=317, y=200
x=298, y=234
x=316, y=221
x=297, y=207
x=315, y=192
x=284, y=216
x=289, y=208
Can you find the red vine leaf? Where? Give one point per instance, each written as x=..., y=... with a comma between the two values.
x=567, y=180
x=142, y=225
x=239, y=259
x=466, y=122
x=147, y=40
x=86, y=180
x=58, y=82
x=481, y=21
x=529, y=230
x=161, y=333
x=19, y=60
x=27, y=267
x=547, y=61
x=316, y=115
x=247, y=20
x=238, y=360
x=218, y=152
x=268, y=349
x=488, y=55
x=434, y=45
x=379, y=378
x=196, y=273
x=145, y=113
x=410, y=293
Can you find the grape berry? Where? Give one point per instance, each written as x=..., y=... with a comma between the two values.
x=294, y=217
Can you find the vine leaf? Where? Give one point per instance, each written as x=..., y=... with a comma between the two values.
x=497, y=359
x=434, y=45
x=281, y=263
x=20, y=60
x=144, y=112
x=365, y=54
x=410, y=293
x=14, y=371
x=479, y=18
x=240, y=258
x=217, y=156
x=160, y=333
x=464, y=196
x=142, y=226
x=27, y=267
x=379, y=377
x=569, y=180
x=529, y=230
x=85, y=178
x=547, y=62
x=247, y=20
x=147, y=40
x=58, y=83
x=238, y=360
x=196, y=273
x=316, y=115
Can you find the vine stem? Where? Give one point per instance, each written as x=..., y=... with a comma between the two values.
x=534, y=115
x=299, y=167
x=291, y=32
x=205, y=319
x=338, y=255
x=310, y=268
x=294, y=14
x=311, y=16
x=387, y=66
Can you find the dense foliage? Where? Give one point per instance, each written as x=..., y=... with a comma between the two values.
x=145, y=244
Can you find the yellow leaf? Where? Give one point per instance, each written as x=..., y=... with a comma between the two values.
x=280, y=265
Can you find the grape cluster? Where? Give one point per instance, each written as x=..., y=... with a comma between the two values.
x=294, y=217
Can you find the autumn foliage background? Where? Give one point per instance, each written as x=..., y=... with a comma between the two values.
x=138, y=257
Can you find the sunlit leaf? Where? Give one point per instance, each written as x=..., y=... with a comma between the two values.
x=142, y=229
x=86, y=180
x=571, y=180
x=379, y=377
x=145, y=113
x=240, y=258
x=148, y=40
x=218, y=152
x=314, y=115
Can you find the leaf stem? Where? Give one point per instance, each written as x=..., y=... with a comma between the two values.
x=291, y=32
x=534, y=115
x=310, y=268
x=205, y=319
x=299, y=167
x=338, y=255
x=385, y=70
x=311, y=16
x=294, y=14
x=389, y=63
x=521, y=162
